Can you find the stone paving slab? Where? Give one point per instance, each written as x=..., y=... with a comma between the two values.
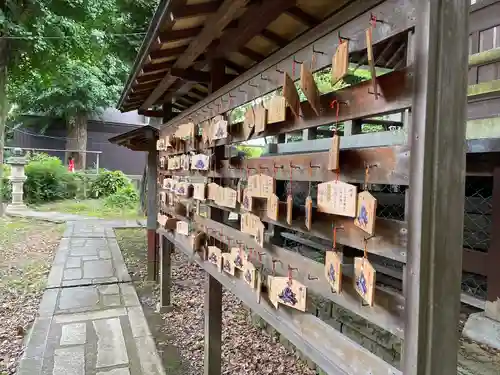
x=91, y=330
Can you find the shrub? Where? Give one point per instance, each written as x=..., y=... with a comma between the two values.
x=108, y=183
x=125, y=197
x=6, y=185
x=48, y=180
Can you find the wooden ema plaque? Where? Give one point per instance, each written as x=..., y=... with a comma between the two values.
x=182, y=189
x=199, y=191
x=160, y=145
x=238, y=257
x=291, y=95
x=260, y=118
x=371, y=62
x=206, y=131
x=364, y=279
x=219, y=129
x=219, y=196
x=215, y=256
x=366, y=212
x=261, y=185
x=213, y=189
x=162, y=162
x=277, y=110
x=248, y=123
x=227, y=264
x=249, y=274
x=259, y=233
x=200, y=162
x=290, y=292
x=171, y=223
x=182, y=228
x=333, y=270
x=272, y=207
x=309, y=212
x=239, y=190
x=337, y=198
x=162, y=220
x=247, y=202
x=196, y=241
x=340, y=61
x=272, y=292
x=289, y=209
x=229, y=197
x=310, y=89
x=185, y=162
x=333, y=154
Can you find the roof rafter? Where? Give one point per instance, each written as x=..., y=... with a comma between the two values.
x=303, y=17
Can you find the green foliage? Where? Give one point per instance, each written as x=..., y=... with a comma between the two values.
x=5, y=184
x=108, y=183
x=251, y=151
x=48, y=180
x=125, y=197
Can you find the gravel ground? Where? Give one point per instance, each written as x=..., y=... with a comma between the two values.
x=180, y=335
x=26, y=251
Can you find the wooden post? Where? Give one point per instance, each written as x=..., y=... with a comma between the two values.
x=165, y=274
x=152, y=214
x=213, y=289
x=492, y=310
x=437, y=175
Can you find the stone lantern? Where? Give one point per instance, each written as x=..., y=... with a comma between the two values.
x=17, y=162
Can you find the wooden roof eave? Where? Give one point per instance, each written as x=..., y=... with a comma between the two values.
x=140, y=139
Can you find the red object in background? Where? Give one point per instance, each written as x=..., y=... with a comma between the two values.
x=71, y=165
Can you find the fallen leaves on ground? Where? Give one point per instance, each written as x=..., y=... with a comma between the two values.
x=26, y=252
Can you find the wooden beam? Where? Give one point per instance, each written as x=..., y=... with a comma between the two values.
x=253, y=21
x=274, y=38
x=194, y=10
x=157, y=67
x=150, y=113
x=303, y=17
x=191, y=75
x=176, y=35
x=151, y=77
x=167, y=52
x=435, y=227
x=251, y=54
x=214, y=26
x=234, y=67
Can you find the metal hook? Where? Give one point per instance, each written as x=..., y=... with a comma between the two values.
x=252, y=85
x=277, y=261
x=263, y=167
x=341, y=38
x=309, y=277
x=296, y=61
x=264, y=78
x=243, y=91
x=316, y=51
x=279, y=70
x=366, y=239
x=294, y=166
x=313, y=166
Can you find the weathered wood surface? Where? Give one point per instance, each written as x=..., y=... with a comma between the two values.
x=328, y=348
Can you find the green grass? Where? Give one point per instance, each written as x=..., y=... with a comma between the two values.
x=90, y=207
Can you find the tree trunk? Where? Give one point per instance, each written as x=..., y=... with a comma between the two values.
x=3, y=111
x=77, y=139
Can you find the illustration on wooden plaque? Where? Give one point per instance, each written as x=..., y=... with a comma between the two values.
x=340, y=61
x=291, y=95
x=366, y=212
x=364, y=279
x=276, y=110
x=337, y=198
x=260, y=118
x=290, y=292
x=309, y=212
x=182, y=228
x=249, y=274
x=215, y=256
x=289, y=209
x=272, y=207
x=219, y=130
x=334, y=154
x=200, y=162
x=199, y=191
x=333, y=270
x=238, y=258
x=310, y=89
x=227, y=264
x=247, y=202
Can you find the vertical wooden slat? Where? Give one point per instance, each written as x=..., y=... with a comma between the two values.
x=152, y=214
x=437, y=171
x=166, y=248
x=492, y=308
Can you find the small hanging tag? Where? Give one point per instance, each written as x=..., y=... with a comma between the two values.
x=200, y=162
x=247, y=202
x=366, y=212
x=310, y=89
x=249, y=274
x=215, y=256
x=333, y=270
x=272, y=291
x=238, y=258
x=290, y=292
x=213, y=189
x=182, y=228
x=340, y=61
x=227, y=264
x=371, y=62
x=291, y=95
x=289, y=209
x=333, y=153
x=277, y=110
x=364, y=279
x=267, y=186
x=260, y=118
x=272, y=208
x=337, y=198
x=309, y=212
x=199, y=191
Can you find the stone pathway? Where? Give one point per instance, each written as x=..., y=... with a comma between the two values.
x=90, y=320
